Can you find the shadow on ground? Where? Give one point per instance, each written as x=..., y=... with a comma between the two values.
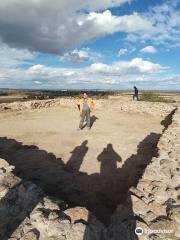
x=99, y=192
x=93, y=119
x=168, y=120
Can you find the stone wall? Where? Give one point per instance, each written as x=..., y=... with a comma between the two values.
x=130, y=106
x=27, y=214
x=156, y=199
x=28, y=105
x=152, y=108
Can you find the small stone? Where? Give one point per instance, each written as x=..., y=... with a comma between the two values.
x=31, y=235
x=166, y=227
x=139, y=207
x=77, y=213
x=53, y=215
x=150, y=216
x=157, y=208
x=50, y=203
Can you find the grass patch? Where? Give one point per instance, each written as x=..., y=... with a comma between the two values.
x=154, y=97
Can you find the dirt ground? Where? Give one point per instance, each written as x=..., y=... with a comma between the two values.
x=55, y=130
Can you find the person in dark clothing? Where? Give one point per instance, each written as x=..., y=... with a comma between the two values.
x=136, y=94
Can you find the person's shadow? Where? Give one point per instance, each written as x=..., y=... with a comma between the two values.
x=168, y=119
x=76, y=159
x=93, y=119
x=108, y=159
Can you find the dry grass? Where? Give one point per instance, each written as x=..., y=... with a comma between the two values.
x=155, y=97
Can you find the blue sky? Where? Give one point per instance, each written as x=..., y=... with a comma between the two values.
x=90, y=44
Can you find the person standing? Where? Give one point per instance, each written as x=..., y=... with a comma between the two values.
x=136, y=94
x=86, y=106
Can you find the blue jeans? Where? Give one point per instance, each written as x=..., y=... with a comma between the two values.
x=85, y=114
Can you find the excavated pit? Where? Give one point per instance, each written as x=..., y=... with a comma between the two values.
x=100, y=192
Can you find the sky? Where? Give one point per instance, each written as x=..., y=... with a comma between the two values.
x=90, y=44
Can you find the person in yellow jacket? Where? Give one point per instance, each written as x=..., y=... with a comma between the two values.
x=86, y=105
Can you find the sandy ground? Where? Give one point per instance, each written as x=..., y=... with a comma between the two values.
x=55, y=130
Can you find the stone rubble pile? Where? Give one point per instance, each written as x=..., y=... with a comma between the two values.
x=156, y=199
x=27, y=214
x=130, y=106
x=152, y=108
x=29, y=105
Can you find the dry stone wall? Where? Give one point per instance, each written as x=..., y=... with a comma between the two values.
x=156, y=199
x=130, y=106
x=28, y=105
x=27, y=214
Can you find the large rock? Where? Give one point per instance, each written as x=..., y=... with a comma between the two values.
x=78, y=214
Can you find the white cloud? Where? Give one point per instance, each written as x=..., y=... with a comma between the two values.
x=38, y=68
x=148, y=49
x=97, y=73
x=165, y=20
x=80, y=56
x=122, y=51
x=12, y=57
x=76, y=56
x=135, y=66
x=38, y=82
x=48, y=72
x=125, y=51
x=107, y=23
x=42, y=26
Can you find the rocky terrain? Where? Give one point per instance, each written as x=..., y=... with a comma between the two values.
x=152, y=199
